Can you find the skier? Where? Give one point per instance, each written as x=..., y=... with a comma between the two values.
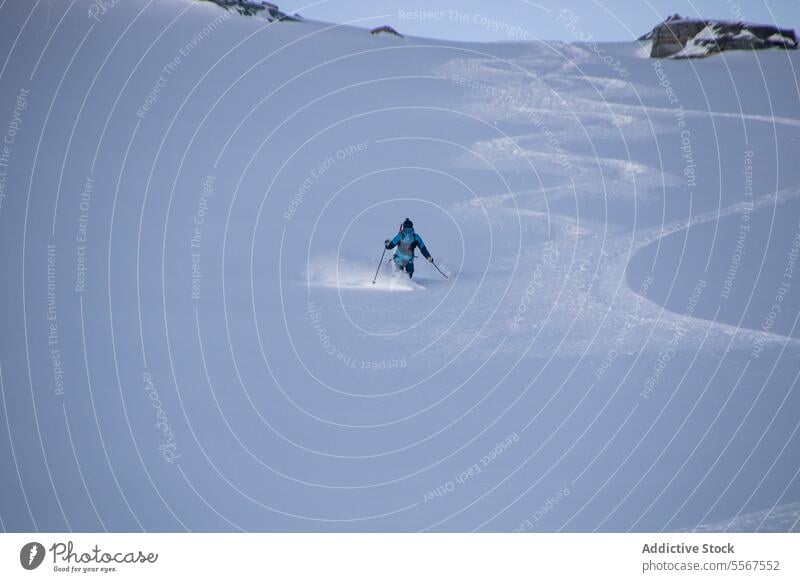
x=406, y=242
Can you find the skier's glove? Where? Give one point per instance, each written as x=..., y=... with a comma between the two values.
x=387, y=243
x=430, y=259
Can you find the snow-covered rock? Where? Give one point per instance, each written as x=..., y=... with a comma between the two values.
x=253, y=7
x=678, y=37
x=385, y=30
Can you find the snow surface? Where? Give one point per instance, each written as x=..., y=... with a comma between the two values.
x=194, y=205
x=709, y=33
x=780, y=519
x=780, y=38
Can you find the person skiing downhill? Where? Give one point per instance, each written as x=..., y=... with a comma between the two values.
x=407, y=241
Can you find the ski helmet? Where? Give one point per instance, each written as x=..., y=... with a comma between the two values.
x=407, y=223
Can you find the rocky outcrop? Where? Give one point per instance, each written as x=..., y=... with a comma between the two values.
x=678, y=37
x=267, y=10
x=385, y=29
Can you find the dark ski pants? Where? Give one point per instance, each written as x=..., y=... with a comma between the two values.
x=408, y=268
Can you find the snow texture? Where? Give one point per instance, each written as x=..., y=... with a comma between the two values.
x=193, y=207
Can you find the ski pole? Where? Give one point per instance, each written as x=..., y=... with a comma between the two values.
x=375, y=278
x=438, y=269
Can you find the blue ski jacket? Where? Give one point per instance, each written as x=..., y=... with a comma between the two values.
x=406, y=242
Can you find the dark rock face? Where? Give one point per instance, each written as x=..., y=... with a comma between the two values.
x=691, y=38
x=385, y=29
x=253, y=7
x=670, y=37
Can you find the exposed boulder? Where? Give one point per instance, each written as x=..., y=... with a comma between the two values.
x=678, y=37
x=267, y=10
x=385, y=29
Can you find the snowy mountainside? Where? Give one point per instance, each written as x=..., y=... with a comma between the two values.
x=194, y=208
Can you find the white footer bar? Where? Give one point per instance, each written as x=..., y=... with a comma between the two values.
x=401, y=557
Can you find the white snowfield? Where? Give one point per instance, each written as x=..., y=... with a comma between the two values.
x=193, y=204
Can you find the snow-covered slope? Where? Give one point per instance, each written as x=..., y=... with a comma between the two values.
x=193, y=207
x=778, y=519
